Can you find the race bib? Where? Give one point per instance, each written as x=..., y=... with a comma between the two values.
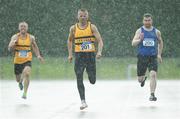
x=148, y=42
x=86, y=46
x=23, y=53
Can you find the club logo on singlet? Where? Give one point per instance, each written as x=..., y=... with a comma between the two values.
x=148, y=42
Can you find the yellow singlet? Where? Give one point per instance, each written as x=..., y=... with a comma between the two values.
x=23, y=50
x=84, y=39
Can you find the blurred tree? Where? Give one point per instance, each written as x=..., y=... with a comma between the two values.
x=117, y=20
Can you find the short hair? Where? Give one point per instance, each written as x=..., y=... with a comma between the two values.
x=83, y=10
x=23, y=22
x=146, y=15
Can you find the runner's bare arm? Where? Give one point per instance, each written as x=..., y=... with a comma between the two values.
x=70, y=41
x=12, y=42
x=160, y=43
x=160, y=46
x=136, y=40
x=36, y=48
x=98, y=38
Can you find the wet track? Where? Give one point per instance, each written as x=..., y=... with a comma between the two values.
x=106, y=100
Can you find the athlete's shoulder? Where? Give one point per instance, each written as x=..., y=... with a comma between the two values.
x=157, y=31
x=138, y=31
x=72, y=28
x=32, y=37
x=93, y=27
x=15, y=36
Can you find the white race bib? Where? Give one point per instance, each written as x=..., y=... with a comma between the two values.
x=148, y=42
x=23, y=53
x=86, y=46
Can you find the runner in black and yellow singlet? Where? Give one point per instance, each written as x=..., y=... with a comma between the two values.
x=84, y=39
x=22, y=44
x=84, y=35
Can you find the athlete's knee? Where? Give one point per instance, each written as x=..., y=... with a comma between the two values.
x=79, y=78
x=18, y=77
x=92, y=78
x=79, y=74
x=80, y=83
x=140, y=78
x=27, y=71
x=153, y=74
x=93, y=81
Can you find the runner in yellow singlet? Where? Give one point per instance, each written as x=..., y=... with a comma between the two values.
x=84, y=35
x=22, y=44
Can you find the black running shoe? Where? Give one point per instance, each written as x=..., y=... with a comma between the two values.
x=152, y=98
x=21, y=86
x=143, y=82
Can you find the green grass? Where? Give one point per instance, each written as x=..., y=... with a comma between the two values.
x=107, y=68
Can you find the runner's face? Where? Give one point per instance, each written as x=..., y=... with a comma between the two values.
x=23, y=28
x=147, y=21
x=82, y=16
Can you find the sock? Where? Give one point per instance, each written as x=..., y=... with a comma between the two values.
x=152, y=94
x=83, y=101
x=24, y=94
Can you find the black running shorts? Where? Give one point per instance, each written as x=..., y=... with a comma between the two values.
x=146, y=62
x=18, y=68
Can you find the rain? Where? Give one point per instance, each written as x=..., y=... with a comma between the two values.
x=53, y=93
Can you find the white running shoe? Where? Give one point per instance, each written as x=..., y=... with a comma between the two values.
x=84, y=105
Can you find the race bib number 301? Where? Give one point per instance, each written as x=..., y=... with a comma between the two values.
x=86, y=46
x=23, y=53
x=148, y=42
